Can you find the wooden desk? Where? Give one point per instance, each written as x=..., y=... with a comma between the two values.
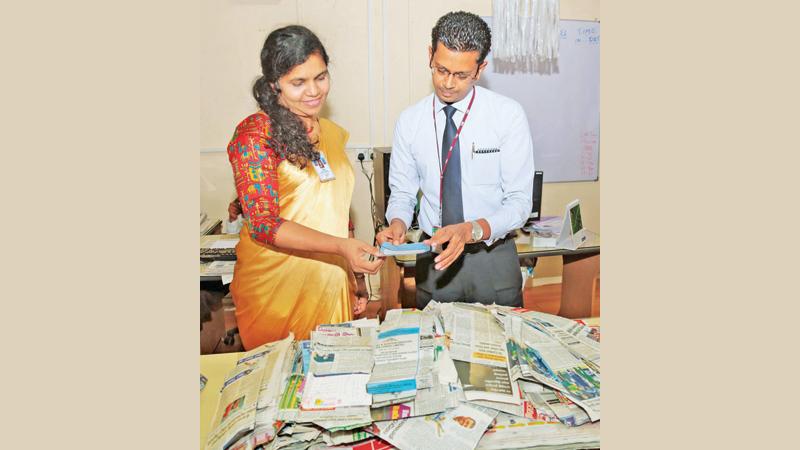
x=580, y=268
x=214, y=367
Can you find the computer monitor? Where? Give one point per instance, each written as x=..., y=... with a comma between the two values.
x=382, y=156
x=381, y=163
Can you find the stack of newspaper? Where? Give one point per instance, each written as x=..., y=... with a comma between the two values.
x=453, y=376
x=335, y=389
x=246, y=415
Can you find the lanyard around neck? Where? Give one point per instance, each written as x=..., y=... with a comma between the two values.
x=443, y=167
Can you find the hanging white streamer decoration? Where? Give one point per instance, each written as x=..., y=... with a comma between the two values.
x=525, y=35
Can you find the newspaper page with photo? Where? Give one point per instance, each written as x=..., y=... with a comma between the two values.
x=479, y=352
x=331, y=354
x=236, y=411
x=556, y=367
x=581, y=340
x=268, y=366
x=577, y=378
x=459, y=428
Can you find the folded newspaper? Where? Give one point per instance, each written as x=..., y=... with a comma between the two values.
x=452, y=376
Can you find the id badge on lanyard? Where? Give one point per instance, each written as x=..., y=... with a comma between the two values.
x=323, y=169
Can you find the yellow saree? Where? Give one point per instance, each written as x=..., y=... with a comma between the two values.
x=276, y=291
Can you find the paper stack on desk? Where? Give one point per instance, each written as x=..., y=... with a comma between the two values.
x=454, y=375
x=545, y=232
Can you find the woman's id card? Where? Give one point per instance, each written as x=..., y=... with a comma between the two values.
x=323, y=168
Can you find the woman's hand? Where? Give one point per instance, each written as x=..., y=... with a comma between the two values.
x=361, y=257
x=234, y=209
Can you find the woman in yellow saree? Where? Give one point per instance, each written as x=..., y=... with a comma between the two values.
x=295, y=262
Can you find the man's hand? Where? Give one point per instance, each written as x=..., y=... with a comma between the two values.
x=360, y=305
x=457, y=235
x=361, y=295
x=395, y=233
x=357, y=253
x=234, y=209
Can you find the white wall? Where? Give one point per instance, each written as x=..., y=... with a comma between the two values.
x=369, y=86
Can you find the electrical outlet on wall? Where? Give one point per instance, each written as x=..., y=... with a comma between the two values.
x=365, y=155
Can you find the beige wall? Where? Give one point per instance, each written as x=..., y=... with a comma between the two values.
x=369, y=86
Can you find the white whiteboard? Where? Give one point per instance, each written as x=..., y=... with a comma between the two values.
x=563, y=108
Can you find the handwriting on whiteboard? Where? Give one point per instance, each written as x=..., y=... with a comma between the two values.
x=588, y=147
x=584, y=35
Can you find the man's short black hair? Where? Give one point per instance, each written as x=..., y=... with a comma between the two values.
x=462, y=32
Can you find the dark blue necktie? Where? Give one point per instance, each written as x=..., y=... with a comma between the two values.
x=452, y=208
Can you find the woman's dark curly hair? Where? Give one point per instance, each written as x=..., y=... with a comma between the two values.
x=284, y=49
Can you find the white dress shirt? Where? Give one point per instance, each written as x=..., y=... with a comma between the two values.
x=496, y=179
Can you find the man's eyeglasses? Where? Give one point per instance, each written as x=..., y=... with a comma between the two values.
x=444, y=73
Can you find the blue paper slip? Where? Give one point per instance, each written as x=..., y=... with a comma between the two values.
x=391, y=386
x=398, y=332
x=305, y=348
x=388, y=249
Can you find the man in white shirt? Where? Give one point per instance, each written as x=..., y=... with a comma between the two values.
x=469, y=151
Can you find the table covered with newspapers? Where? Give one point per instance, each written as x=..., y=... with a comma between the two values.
x=451, y=376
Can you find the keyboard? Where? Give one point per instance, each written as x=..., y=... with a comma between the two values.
x=218, y=254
